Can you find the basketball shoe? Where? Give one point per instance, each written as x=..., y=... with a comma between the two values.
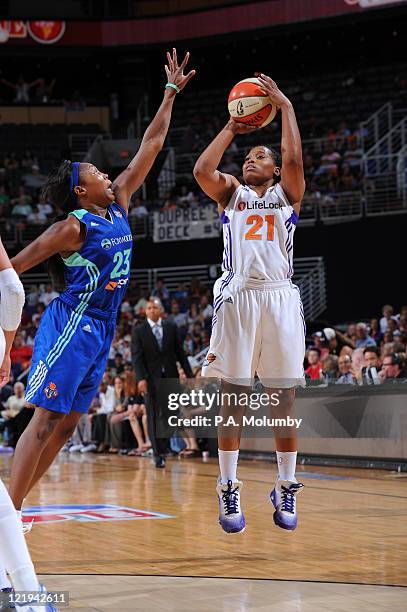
x=283, y=499
x=231, y=517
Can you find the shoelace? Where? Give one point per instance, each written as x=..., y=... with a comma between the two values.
x=288, y=497
x=230, y=499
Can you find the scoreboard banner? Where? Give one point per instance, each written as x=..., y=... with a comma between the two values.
x=186, y=224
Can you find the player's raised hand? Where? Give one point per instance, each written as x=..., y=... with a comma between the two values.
x=240, y=128
x=175, y=73
x=271, y=89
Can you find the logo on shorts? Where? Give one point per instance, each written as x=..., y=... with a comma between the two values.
x=118, y=213
x=51, y=390
x=106, y=244
x=210, y=358
x=242, y=205
x=229, y=299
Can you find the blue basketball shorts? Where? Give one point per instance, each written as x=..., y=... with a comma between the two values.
x=69, y=359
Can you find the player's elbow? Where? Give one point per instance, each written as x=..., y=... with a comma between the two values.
x=201, y=169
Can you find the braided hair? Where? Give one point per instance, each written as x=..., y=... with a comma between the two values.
x=58, y=190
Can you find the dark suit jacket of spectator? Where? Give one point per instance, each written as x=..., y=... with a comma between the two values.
x=149, y=361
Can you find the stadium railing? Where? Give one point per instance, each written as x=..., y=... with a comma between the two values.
x=309, y=275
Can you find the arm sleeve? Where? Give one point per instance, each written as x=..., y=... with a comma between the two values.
x=12, y=299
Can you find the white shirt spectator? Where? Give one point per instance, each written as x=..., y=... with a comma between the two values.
x=47, y=296
x=107, y=400
x=138, y=211
x=12, y=406
x=37, y=218
x=45, y=208
x=383, y=323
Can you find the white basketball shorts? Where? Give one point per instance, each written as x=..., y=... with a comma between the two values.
x=261, y=330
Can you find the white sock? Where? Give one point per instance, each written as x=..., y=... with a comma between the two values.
x=286, y=465
x=228, y=465
x=14, y=555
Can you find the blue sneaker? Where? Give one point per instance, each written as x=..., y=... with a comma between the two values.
x=4, y=606
x=231, y=517
x=34, y=608
x=283, y=499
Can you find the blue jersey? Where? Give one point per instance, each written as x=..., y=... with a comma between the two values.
x=97, y=274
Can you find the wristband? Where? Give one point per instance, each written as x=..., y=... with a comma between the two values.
x=173, y=86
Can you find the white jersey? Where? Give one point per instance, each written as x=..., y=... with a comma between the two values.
x=258, y=235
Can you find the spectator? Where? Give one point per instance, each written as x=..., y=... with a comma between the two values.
x=387, y=312
x=36, y=318
x=335, y=340
x=138, y=421
x=179, y=318
x=394, y=369
x=156, y=348
x=345, y=370
x=362, y=336
x=206, y=309
x=12, y=408
x=20, y=354
x=115, y=420
x=138, y=209
x=160, y=291
x=314, y=363
x=37, y=217
x=118, y=367
x=329, y=371
x=375, y=332
x=370, y=373
x=140, y=307
x=48, y=295
x=99, y=415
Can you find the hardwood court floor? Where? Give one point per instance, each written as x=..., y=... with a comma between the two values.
x=352, y=529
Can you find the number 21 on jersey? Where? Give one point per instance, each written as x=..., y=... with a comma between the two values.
x=256, y=231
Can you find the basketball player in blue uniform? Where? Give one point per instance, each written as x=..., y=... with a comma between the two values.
x=258, y=324
x=14, y=556
x=91, y=248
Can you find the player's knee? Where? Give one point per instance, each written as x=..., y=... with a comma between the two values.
x=47, y=426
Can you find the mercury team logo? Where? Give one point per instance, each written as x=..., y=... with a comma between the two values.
x=210, y=358
x=242, y=205
x=88, y=513
x=51, y=390
x=44, y=32
x=106, y=244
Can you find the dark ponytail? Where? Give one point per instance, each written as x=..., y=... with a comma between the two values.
x=57, y=190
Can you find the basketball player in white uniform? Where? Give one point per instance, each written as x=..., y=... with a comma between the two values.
x=14, y=555
x=258, y=324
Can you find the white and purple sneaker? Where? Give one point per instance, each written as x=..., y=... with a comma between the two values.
x=283, y=499
x=231, y=517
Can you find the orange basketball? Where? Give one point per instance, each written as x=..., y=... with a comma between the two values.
x=247, y=103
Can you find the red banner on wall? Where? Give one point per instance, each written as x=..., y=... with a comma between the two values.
x=44, y=32
x=205, y=23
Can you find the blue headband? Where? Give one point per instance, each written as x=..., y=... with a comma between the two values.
x=74, y=182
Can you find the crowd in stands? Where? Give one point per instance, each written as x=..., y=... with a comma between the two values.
x=360, y=353
x=373, y=352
